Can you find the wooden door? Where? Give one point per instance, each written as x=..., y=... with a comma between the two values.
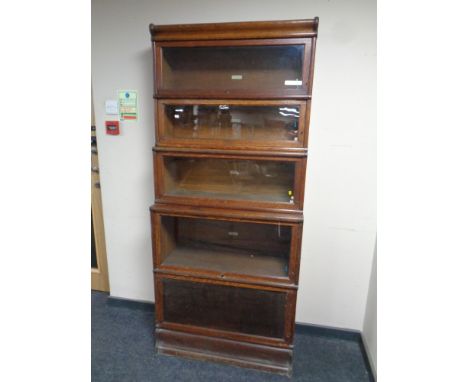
x=99, y=274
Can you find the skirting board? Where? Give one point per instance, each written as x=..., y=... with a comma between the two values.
x=301, y=328
x=369, y=359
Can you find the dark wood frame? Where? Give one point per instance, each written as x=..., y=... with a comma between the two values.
x=238, y=353
x=162, y=196
x=302, y=93
x=264, y=353
x=235, y=30
x=298, y=146
x=285, y=342
x=289, y=281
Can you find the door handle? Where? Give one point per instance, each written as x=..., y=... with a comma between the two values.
x=95, y=169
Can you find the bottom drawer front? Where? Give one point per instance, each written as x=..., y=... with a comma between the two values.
x=221, y=307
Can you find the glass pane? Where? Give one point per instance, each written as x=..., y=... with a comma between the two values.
x=221, y=307
x=232, y=122
x=226, y=246
x=270, y=67
x=235, y=179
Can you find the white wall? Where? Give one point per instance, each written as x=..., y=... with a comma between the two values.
x=340, y=210
x=369, y=330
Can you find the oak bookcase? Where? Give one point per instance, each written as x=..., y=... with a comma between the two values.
x=232, y=104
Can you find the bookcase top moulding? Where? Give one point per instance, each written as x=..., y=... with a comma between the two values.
x=235, y=30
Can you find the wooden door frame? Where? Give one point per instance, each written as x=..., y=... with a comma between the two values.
x=99, y=275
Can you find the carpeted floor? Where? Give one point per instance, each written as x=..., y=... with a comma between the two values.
x=123, y=350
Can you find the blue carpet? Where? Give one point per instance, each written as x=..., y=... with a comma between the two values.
x=123, y=350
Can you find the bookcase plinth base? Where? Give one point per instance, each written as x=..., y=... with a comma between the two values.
x=243, y=354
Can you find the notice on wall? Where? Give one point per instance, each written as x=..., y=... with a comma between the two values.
x=128, y=105
x=112, y=107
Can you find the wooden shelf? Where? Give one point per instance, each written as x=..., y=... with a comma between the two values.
x=235, y=262
x=232, y=109
x=265, y=216
x=278, y=194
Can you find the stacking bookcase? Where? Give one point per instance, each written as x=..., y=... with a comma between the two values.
x=232, y=104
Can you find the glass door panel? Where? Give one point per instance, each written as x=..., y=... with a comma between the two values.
x=231, y=179
x=277, y=67
x=227, y=247
x=275, y=124
x=221, y=307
